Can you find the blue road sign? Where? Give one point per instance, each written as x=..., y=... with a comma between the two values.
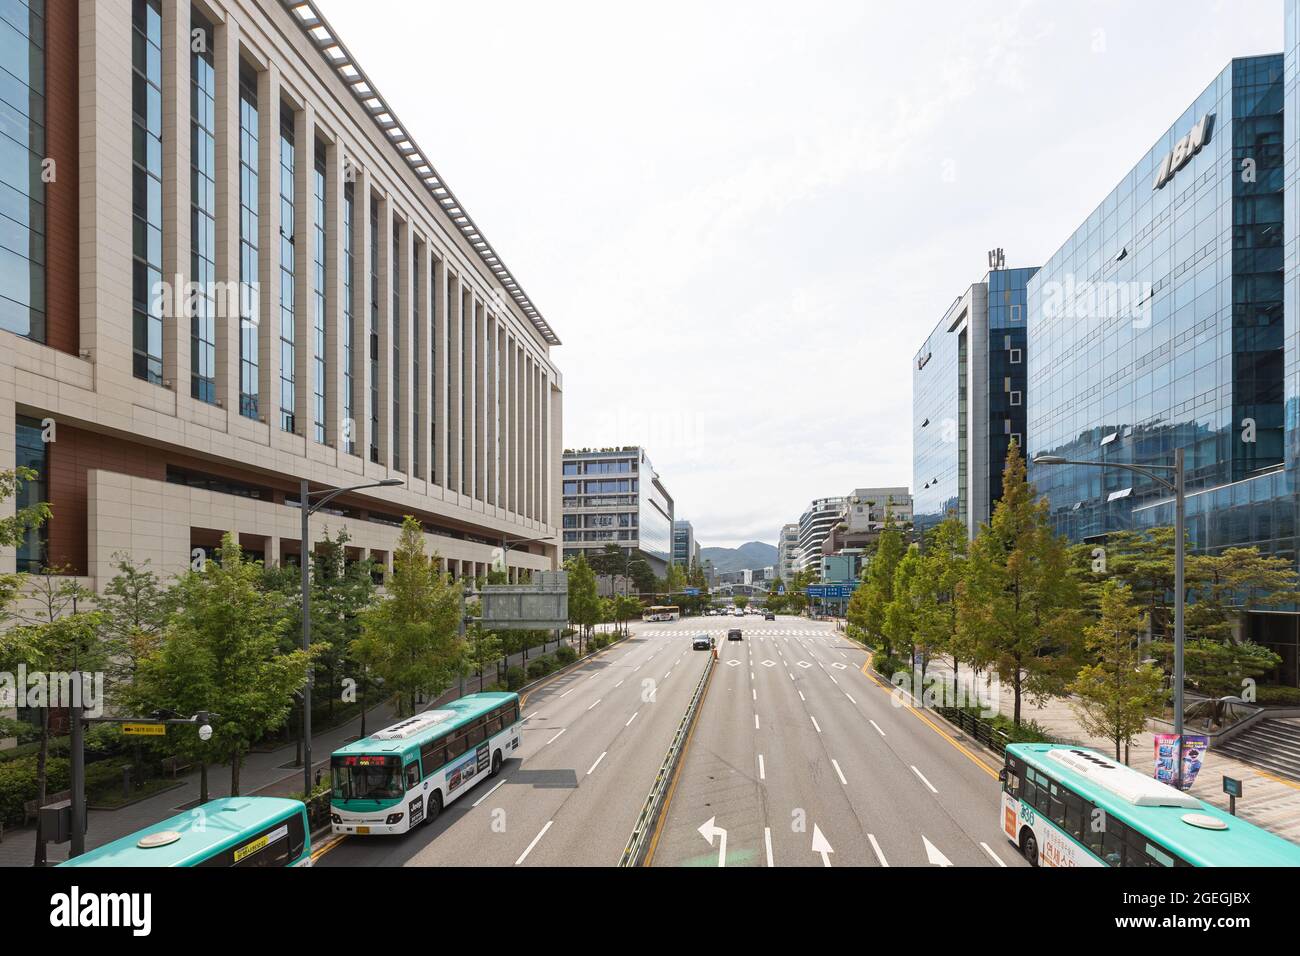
x=692, y=592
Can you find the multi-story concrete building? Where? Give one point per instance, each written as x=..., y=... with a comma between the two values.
x=865, y=513
x=240, y=271
x=814, y=525
x=787, y=547
x=685, y=548
x=968, y=400
x=614, y=496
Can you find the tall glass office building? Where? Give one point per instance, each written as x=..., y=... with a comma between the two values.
x=1159, y=325
x=968, y=401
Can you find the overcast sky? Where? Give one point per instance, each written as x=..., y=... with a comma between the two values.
x=743, y=218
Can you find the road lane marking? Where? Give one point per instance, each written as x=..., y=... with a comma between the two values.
x=850, y=697
x=767, y=841
x=762, y=771
x=597, y=701
x=875, y=847
x=802, y=697
x=555, y=738
x=630, y=719
x=815, y=724
x=566, y=693
x=923, y=780
x=499, y=785
x=597, y=763
x=996, y=859
x=836, y=764
x=619, y=684
x=876, y=725
x=756, y=721
x=523, y=856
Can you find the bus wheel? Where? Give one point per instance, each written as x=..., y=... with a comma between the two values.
x=496, y=764
x=1029, y=846
x=433, y=807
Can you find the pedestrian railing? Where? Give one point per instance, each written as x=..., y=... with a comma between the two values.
x=976, y=727
x=638, y=844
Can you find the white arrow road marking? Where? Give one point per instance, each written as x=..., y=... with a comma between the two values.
x=933, y=855
x=708, y=830
x=923, y=780
x=875, y=847
x=820, y=845
x=523, y=856
x=996, y=859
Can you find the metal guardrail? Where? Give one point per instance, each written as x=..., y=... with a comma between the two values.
x=638, y=844
x=981, y=730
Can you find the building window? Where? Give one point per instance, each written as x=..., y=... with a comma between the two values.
x=248, y=244
x=203, y=223
x=22, y=192
x=415, y=357
x=374, y=329
x=1015, y=357
x=146, y=191
x=288, y=342
x=349, y=371
x=318, y=297
x=1017, y=398
x=395, y=271
x=34, y=453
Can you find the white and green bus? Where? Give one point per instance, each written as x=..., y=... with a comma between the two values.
x=405, y=774
x=1070, y=806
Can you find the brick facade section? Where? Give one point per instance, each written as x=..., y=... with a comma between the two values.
x=63, y=319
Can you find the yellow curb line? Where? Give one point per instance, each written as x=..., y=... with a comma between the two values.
x=1282, y=780
x=317, y=854
x=933, y=726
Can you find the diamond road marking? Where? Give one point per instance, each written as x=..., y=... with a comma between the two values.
x=733, y=662
x=769, y=663
x=804, y=664
x=838, y=666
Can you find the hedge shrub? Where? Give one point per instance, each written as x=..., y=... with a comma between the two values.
x=514, y=677
x=18, y=784
x=565, y=655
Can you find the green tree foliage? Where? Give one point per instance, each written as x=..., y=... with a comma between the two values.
x=411, y=637
x=584, y=606
x=1018, y=605
x=867, y=607
x=1229, y=584
x=223, y=651
x=900, y=615
x=1116, y=693
x=934, y=591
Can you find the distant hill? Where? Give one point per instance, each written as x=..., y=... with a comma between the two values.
x=754, y=554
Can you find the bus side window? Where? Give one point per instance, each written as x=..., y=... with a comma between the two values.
x=412, y=775
x=1113, y=842
x=1074, y=819
x=456, y=745
x=476, y=732
x=1056, y=804
x=432, y=756
x=1094, y=824
x=494, y=723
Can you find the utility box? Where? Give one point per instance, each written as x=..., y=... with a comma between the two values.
x=56, y=822
x=542, y=605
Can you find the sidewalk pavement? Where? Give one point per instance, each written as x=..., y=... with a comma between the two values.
x=263, y=774
x=1267, y=800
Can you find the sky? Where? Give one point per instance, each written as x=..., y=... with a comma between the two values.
x=743, y=218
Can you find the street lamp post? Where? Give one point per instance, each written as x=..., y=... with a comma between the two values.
x=1177, y=486
x=304, y=559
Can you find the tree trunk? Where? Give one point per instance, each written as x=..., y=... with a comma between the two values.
x=235, y=763
x=41, y=756
x=1015, y=684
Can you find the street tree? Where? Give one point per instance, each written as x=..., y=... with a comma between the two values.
x=1118, y=691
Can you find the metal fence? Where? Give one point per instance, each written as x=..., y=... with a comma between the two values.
x=638, y=845
x=980, y=729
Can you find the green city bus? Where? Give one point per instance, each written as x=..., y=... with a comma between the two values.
x=405, y=774
x=1070, y=806
x=230, y=831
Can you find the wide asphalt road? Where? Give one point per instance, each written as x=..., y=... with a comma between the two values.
x=593, y=740
x=804, y=760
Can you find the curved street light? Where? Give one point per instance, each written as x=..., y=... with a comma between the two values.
x=304, y=559
x=1175, y=484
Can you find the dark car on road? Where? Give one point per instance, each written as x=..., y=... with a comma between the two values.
x=735, y=635
x=702, y=643
x=769, y=616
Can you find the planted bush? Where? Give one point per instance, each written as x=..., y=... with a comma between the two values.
x=514, y=677
x=565, y=655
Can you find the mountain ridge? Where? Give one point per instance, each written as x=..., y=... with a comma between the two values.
x=751, y=554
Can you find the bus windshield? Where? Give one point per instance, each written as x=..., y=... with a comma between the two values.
x=367, y=778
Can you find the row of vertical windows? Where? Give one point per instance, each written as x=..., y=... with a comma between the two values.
x=203, y=205
x=395, y=270
x=248, y=243
x=146, y=189
x=415, y=357
x=288, y=354
x=374, y=330
x=22, y=190
x=34, y=453
x=318, y=297
x=349, y=371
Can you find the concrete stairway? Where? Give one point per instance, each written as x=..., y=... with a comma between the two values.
x=1272, y=745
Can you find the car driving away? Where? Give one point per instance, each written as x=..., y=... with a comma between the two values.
x=769, y=616
x=702, y=642
x=735, y=635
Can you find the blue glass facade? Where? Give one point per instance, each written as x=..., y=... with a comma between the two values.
x=968, y=400
x=1158, y=324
